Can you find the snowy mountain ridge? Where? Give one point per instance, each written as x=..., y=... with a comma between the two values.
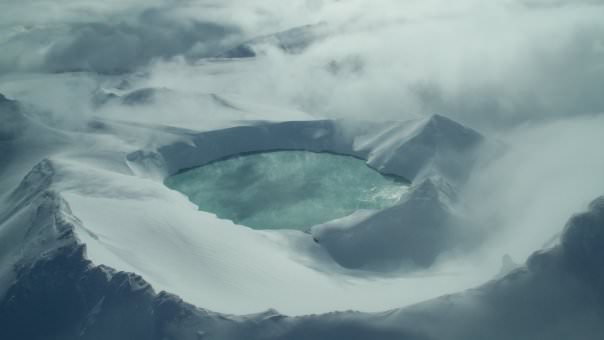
x=95, y=228
x=102, y=301
x=410, y=149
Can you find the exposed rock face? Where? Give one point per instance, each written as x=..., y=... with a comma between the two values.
x=66, y=297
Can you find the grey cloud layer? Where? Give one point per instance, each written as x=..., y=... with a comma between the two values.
x=107, y=47
x=487, y=65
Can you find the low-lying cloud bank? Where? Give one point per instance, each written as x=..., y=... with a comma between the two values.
x=489, y=65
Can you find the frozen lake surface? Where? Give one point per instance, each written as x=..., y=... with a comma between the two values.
x=287, y=189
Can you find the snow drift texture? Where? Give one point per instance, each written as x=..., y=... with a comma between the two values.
x=561, y=287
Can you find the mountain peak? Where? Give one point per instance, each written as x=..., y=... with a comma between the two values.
x=437, y=122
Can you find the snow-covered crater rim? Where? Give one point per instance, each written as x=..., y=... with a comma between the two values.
x=433, y=152
x=408, y=150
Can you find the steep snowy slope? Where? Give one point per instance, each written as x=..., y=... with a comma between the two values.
x=411, y=234
x=97, y=303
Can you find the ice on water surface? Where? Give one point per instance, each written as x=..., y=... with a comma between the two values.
x=286, y=189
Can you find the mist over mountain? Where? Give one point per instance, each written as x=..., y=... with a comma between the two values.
x=449, y=156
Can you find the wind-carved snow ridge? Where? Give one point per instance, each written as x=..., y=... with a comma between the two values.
x=31, y=223
x=436, y=146
x=53, y=289
x=411, y=149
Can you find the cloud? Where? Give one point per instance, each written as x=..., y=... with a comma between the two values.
x=113, y=45
x=548, y=172
x=122, y=47
x=491, y=66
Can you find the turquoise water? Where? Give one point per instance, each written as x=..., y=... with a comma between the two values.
x=286, y=189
